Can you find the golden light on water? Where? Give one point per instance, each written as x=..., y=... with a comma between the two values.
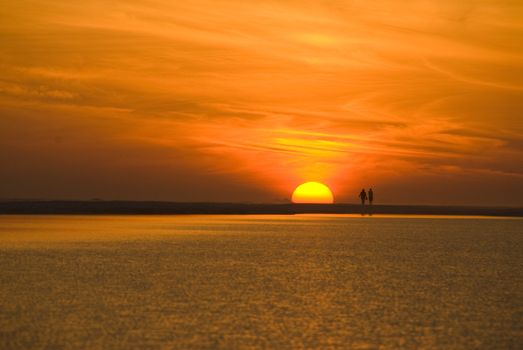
x=312, y=192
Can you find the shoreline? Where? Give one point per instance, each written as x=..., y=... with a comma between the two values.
x=172, y=208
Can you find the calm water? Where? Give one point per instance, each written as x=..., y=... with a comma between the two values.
x=281, y=282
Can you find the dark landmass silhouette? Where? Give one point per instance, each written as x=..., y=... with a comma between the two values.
x=42, y=207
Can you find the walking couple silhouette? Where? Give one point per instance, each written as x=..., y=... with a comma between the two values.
x=364, y=196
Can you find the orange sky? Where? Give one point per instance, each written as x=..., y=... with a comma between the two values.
x=244, y=100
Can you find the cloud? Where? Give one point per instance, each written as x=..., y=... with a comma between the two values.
x=264, y=93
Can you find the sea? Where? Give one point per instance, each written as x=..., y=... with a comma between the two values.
x=261, y=282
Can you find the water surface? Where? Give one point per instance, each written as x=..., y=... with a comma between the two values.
x=239, y=282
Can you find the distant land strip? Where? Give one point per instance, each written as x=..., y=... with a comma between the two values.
x=96, y=207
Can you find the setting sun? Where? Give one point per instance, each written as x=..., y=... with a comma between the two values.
x=266, y=173
x=312, y=192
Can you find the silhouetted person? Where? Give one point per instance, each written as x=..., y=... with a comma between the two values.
x=371, y=198
x=363, y=197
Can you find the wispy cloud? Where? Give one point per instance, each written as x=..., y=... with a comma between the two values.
x=264, y=93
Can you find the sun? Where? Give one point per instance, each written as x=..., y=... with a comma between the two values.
x=312, y=192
